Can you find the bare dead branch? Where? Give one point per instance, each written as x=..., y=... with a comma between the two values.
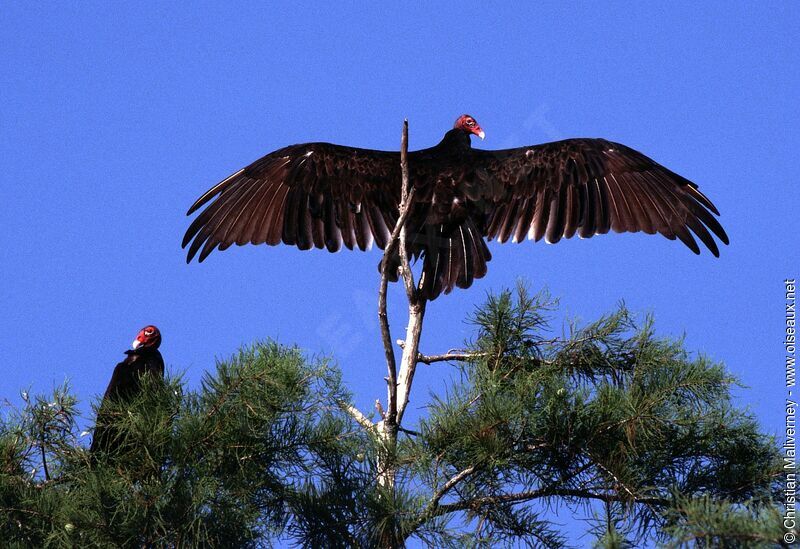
x=448, y=357
x=359, y=417
x=379, y=408
x=391, y=362
x=416, y=304
x=407, y=275
x=451, y=355
x=408, y=366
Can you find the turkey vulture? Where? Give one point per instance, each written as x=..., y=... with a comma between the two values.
x=323, y=195
x=143, y=358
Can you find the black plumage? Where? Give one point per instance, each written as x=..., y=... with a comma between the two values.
x=325, y=196
x=126, y=384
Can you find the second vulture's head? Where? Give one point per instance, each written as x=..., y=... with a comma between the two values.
x=148, y=338
x=468, y=125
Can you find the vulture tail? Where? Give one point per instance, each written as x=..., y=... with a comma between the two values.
x=451, y=257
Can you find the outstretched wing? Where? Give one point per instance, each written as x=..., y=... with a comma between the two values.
x=588, y=187
x=314, y=194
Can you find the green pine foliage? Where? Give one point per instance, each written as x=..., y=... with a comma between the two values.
x=222, y=466
x=608, y=423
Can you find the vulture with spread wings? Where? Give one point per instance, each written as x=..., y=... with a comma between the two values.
x=324, y=196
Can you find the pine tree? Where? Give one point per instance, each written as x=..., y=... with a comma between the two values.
x=609, y=423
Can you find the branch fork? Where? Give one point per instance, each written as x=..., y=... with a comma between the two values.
x=398, y=385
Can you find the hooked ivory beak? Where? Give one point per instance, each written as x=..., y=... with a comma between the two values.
x=135, y=344
x=481, y=134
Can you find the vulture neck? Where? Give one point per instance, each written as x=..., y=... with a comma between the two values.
x=141, y=351
x=455, y=141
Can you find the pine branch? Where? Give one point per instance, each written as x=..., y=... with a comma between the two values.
x=455, y=479
x=519, y=497
x=451, y=355
x=44, y=458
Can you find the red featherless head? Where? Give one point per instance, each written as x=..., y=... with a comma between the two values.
x=148, y=338
x=467, y=124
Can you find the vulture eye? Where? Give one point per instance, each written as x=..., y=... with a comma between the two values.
x=470, y=122
x=148, y=332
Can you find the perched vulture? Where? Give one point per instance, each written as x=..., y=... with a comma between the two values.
x=325, y=196
x=143, y=358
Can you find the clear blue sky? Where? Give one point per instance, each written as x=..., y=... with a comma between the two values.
x=114, y=117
